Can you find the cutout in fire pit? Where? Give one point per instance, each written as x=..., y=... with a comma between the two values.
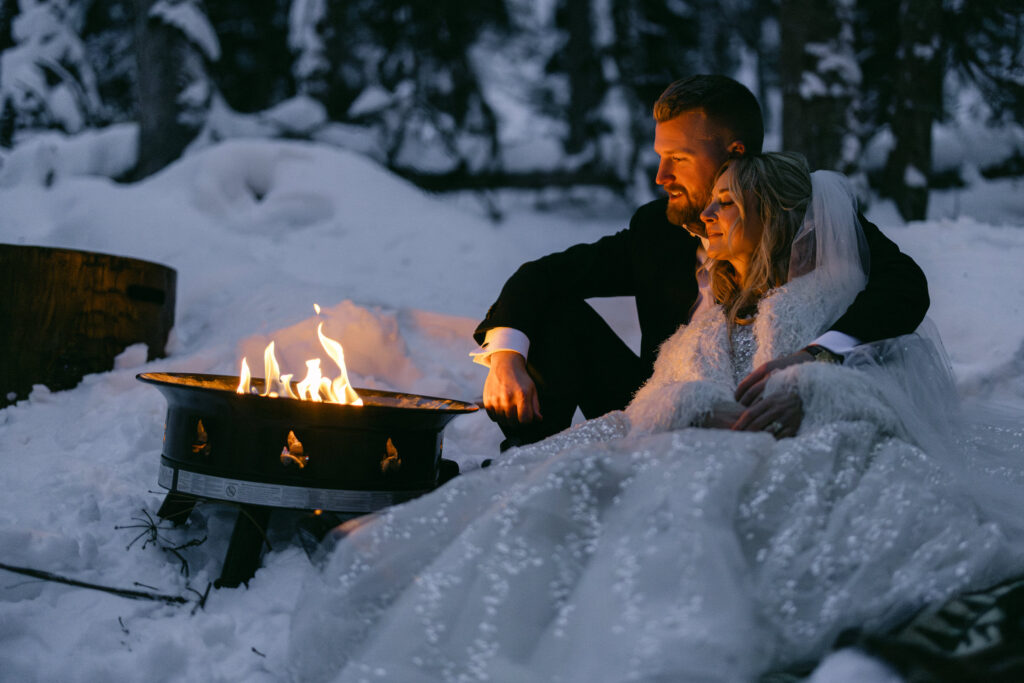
x=292, y=453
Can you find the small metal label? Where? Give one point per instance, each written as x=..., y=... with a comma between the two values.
x=274, y=495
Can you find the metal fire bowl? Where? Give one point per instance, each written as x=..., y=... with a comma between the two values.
x=222, y=445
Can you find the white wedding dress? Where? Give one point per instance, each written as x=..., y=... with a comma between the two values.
x=636, y=548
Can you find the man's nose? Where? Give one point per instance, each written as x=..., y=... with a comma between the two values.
x=664, y=176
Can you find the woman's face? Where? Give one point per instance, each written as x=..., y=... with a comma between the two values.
x=730, y=238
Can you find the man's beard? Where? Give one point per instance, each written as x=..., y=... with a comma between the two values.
x=687, y=215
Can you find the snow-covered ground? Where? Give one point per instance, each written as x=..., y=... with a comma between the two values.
x=259, y=232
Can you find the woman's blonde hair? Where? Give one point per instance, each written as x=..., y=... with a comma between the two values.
x=778, y=186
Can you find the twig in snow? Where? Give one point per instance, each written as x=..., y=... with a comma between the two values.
x=151, y=531
x=149, y=528
x=181, y=558
x=201, y=602
x=123, y=592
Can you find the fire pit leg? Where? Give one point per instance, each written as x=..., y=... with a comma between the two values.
x=177, y=507
x=247, y=538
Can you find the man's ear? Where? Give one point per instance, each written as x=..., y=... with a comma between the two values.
x=736, y=148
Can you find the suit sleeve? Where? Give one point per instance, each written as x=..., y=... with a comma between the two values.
x=598, y=269
x=895, y=298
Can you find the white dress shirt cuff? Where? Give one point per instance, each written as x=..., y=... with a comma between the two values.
x=501, y=339
x=838, y=343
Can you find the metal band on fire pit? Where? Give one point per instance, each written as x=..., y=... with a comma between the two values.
x=277, y=495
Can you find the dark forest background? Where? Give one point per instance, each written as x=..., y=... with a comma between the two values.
x=455, y=94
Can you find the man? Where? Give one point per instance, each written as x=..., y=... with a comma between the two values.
x=549, y=352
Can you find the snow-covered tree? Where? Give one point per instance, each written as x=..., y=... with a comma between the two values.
x=658, y=42
x=107, y=33
x=916, y=106
x=820, y=78
x=909, y=51
x=306, y=41
x=45, y=79
x=176, y=44
x=255, y=69
x=404, y=66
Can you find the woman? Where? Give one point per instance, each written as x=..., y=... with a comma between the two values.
x=635, y=547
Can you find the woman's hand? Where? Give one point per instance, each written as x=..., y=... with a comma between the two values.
x=723, y=416
x=779, y=414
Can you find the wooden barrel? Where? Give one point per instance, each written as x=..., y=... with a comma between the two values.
x=68, y=313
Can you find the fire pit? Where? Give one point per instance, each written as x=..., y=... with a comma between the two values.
x=265, y=452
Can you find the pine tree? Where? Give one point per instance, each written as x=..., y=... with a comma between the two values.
x=175, y=45
x=45, y=79
x=254, y=70
x=581, y=64
x=986, y=48
x=657, y=43
x=310, y=67
x=410, y=63
x=909, y=49
x=107, y=32
x=917, y=105
x=819, y=77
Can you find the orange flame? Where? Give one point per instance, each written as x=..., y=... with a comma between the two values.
x=245, y=378
x=314, y=387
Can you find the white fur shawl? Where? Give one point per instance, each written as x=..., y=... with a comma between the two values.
x=694, y=371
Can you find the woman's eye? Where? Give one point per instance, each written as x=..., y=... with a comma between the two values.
x=725, y=202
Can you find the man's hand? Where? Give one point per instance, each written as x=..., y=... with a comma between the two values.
x=510, y=395
x=779, y=415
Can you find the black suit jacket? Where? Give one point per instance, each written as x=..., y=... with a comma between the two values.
x=654, y=261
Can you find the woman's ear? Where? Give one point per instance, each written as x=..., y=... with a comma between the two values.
x=736, y=148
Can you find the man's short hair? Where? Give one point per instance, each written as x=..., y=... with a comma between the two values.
x=725, y=101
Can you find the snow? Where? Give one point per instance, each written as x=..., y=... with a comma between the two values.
x=108, y=152
x=370, y=100
x=851, y=666
x=190, y=20
x=298, y=116
x=912, y=177
x=259, y=231
x=812, y=85
x=303, y=40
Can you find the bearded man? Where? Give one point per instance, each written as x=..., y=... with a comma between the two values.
x=550, y=353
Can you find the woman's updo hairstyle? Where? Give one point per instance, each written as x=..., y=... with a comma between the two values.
x=778, y=186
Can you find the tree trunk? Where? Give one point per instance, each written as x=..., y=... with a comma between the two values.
x=818, y=74
x=917, y=105
x=8, y=10
x=167, y=64
x=586, y=85
x=8, y=115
